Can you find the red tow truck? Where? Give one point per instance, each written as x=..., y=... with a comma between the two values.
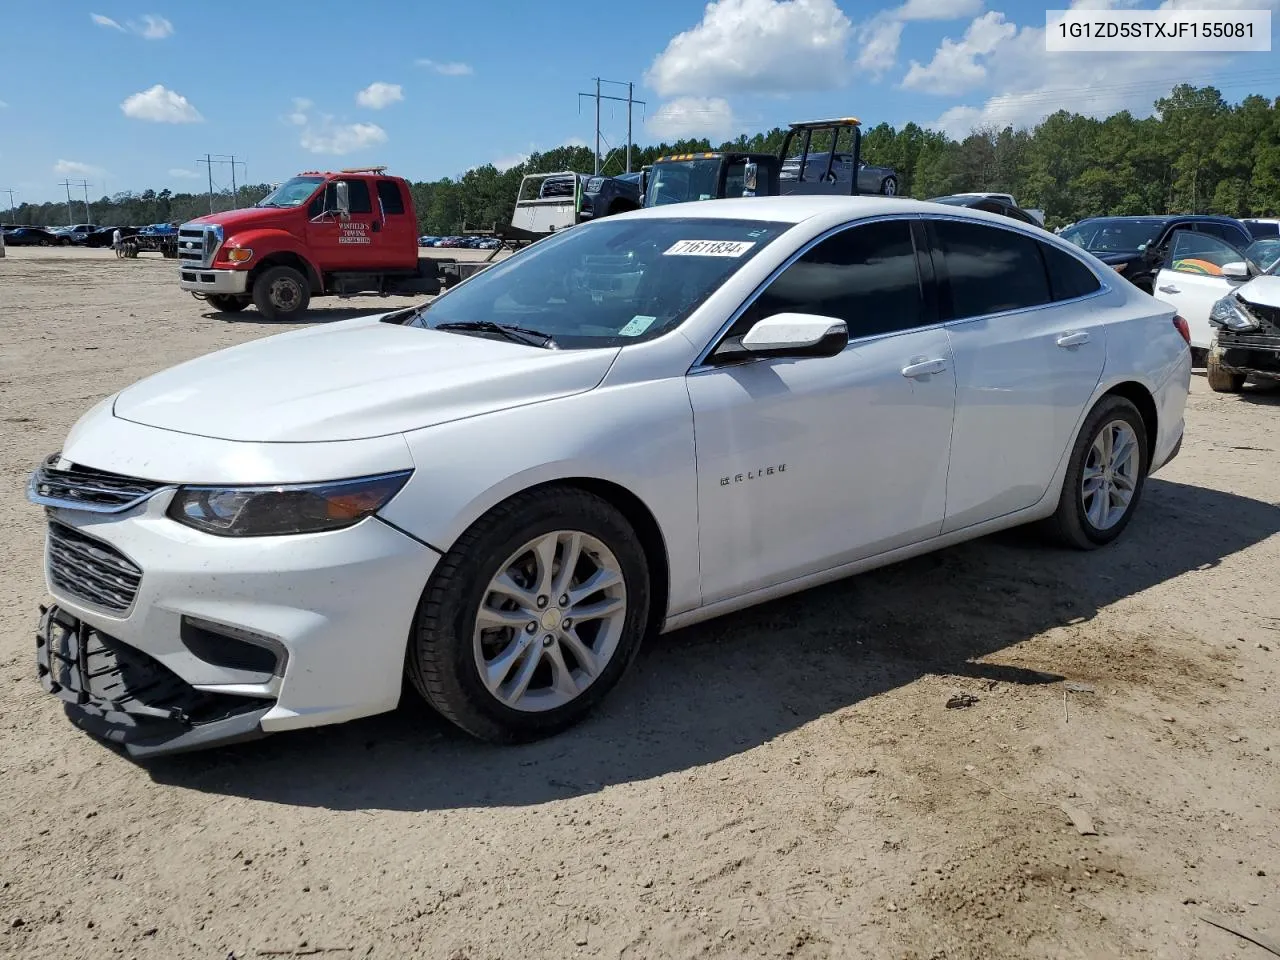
x=340, y=233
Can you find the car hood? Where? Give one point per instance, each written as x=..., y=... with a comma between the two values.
x=245, y=218
x=352, y=380
x=1264, y=291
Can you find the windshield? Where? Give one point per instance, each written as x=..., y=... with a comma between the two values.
x=1265, y=253
x=682, y=180
x=608, y=283
x=1113, y=235
x=954, y=201
x=291, y=193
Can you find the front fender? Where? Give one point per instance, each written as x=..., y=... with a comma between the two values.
x=636, y=436
x=264, y=242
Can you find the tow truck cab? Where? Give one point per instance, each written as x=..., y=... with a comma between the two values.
x=816, y=157
x=317, y=234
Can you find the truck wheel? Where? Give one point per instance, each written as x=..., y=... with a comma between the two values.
x=532, y=616
x=226, y=303
x=281, y=292
x=1222, y=381
x=889, y=187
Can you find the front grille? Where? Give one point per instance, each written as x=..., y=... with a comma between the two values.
x=90, y=488
x=90, y=570
x=196, y=246
x=1269, y=316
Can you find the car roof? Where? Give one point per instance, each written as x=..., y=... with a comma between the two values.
x=1166, y=217
x=793, y=209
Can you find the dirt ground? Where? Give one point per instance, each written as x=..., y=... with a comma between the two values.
x=786, y=782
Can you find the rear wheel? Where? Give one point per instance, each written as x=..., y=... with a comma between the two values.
x=281, y=293
x=226, y=303
x=1220, y=380
x=1105, y=476
x=889, y=187
x=532, y=617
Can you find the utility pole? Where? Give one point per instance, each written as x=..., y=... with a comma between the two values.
x=629, y=100
x=88, y=214
x=71, y=221
x=10, y=192
x=209, y=159
x=208, y=163
x=234, y=194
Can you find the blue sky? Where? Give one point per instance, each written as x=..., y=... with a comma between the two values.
x=128, y=94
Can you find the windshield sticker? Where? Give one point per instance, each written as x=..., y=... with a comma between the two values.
x=708, y=248
x=636, y=326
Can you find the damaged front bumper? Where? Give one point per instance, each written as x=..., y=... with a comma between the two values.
x=122, y=695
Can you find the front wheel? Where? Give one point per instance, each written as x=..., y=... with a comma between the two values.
x=889, y=187
x=1220, y=380
x=532, y=617
x=280, y=293
x=1105, y=476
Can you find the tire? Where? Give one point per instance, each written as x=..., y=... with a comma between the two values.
x=280, y=293
x=889, y=186
x=445, y=646
x=226, y=303
x=1072, y=524
x=1220, y=380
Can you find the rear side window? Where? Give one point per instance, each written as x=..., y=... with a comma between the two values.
x=1068, y=277
x=389, y=197
x=865, y=276
x=989, y=270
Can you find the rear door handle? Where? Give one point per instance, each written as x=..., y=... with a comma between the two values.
x=1073, y=339
x=1169, y=288
x=923, y=368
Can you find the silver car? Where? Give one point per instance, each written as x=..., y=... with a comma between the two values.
x=871, y=179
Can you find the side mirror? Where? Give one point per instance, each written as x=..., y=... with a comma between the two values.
x=342, y=194
x=750, y=175
x=796, y=335
x=1236, y=270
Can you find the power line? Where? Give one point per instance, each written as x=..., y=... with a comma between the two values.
x=209, y=159
x=10, y=192
x=629, y=99
x=71, y=220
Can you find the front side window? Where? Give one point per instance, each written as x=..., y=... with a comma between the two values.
x=608, y=283
x=1114, y=234
x=989, y=270
x=1199, y=253
x=866, y=276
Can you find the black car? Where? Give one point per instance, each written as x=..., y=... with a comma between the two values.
x=29, y=237
x=1136, y=246
x=990, y=204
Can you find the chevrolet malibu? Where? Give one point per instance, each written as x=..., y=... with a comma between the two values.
x=629, y=427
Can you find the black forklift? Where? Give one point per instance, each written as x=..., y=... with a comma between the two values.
x=817, y=157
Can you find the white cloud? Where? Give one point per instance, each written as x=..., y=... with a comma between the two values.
x=337, y=138
x=160, y=105
x=503, y=164
x=937, y=9
x=878, y=41
x=690, y=117
x=152, y=27
x=107, y=22
x=74, y=168
x=183, y=174
x=301, y=105
x=955, y=66
x=446, y=69
x=778, y=46
x=378, y=95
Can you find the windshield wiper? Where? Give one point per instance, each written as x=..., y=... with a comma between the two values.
x=532, y=338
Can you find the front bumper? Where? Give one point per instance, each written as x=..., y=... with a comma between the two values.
x=330, y=612
x=220, y=282
x=1249, y=353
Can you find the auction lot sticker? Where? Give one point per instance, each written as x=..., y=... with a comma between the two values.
x=1157, y=31
x=708, y=248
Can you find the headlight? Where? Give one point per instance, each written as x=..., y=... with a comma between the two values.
x=239, y=254
x=594, y=184
x=282, y=510
x=1228, y=313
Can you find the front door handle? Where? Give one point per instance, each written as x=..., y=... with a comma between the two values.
x=1073, y=339
x=1169, y=288
x=923, y=368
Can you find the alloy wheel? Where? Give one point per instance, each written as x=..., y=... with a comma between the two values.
x=1110, y=475
x=550, y=621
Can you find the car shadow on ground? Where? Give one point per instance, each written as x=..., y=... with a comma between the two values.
x=313, y=315
x=708, y=692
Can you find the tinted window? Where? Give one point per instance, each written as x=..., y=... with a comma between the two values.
x=865, y=276
x=358, y=191
x=389, y=197
x=1261, y=231
x=1114, y=234
x=990, y=270
x=1223, y=231
x=1068, y=277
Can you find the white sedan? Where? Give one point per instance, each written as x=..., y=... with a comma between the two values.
x=632, y=426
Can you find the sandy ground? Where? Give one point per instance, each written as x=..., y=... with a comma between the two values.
x=786, y=782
